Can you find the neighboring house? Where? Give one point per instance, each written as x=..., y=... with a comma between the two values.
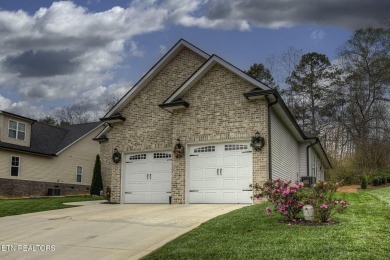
x=39, y=159
x=214, y=109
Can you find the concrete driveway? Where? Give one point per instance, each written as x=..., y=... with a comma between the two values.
x=100, y=231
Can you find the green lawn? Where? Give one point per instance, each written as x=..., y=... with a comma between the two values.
x=9, y=207
x=248, y=233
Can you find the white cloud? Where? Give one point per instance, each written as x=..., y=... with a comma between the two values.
x=317, y=34
x=163, y=49
x=64, y=51
x=5, y=103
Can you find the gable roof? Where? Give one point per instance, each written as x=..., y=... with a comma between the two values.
x=52, y=140
x=152, y=72
x=281, y=109
x=213, y=60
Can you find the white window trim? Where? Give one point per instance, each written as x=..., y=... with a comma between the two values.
x=10, y=168
x=77, y=173
x=17, y=129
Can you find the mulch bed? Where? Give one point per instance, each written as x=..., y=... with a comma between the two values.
x=355, y=188
x=303, y=222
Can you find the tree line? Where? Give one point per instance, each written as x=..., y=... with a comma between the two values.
x=345, y=102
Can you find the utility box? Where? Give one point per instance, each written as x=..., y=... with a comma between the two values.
x=310, y=179
x=53, y=192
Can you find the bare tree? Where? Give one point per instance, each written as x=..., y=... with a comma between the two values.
x=75, y=114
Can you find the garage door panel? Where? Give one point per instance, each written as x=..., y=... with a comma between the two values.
x=211, y=160
x=228, y=196
x=210, y=196
x=159, y=197
x=244, y=196
x=229, y=172
x=138, y=167
x=166, y=177
x=166, y=186
x=198, y=160
x=243, y=171
x=210, y=183
x=244, y=183
x=210, y=172
x=139, y=186
x=197, y=173
x=156, y=186
x=229, y=184
x=196, y=197
x=229, y=160
x=161, y=166
x=244, y=158
x=197, y=184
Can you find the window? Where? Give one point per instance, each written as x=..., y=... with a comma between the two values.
x=16, y=130
x=234, y=147
x=79, y=173
x=138, y=157
x=205, y=149
x=15, y=164
x=161, y=155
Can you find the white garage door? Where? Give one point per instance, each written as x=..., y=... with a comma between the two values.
x=220, y=173
x=147, y=177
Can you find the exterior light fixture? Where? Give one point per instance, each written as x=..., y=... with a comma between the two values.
x=178, y=150
x=116, y=156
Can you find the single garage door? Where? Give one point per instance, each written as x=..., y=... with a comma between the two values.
x=220, y=173
x=147, y=177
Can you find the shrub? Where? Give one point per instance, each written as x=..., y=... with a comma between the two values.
x=376, y=181
x=363, y=183
x=321, y=198
x=97, y=183
x=286, y=197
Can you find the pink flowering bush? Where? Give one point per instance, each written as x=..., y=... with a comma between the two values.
x=289, y=198
x=285, y=196
x=321, y=197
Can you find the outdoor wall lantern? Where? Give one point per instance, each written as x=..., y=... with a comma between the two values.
x=116, y=156
x=179, y=149
x=257, y=142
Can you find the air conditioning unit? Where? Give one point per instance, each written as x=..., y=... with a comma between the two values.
x=53, y=192
x=310, y=179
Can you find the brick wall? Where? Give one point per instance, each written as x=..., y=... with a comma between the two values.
x=147, y=126
x=22, y=188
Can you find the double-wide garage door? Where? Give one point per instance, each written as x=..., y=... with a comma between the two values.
x=215, y=173
x=220, y=173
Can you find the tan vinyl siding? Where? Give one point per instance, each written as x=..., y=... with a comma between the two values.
x=303, y=159
x=285, y=152
x=4, y=119
x=55, y=169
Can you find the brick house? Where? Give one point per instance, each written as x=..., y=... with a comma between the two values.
x=36, y=158
x=213, y=110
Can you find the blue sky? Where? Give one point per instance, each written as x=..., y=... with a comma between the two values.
x=55, y=54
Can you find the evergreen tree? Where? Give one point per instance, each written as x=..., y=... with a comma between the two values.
x=97, y=182
x=261, y=73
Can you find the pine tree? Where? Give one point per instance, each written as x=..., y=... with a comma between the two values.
x=97, y=182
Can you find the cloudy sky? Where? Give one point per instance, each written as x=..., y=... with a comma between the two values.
x=55, y=54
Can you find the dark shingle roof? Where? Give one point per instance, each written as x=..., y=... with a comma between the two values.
x=50, y=140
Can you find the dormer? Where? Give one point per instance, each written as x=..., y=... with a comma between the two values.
x=15, y=129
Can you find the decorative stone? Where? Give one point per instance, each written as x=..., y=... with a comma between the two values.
x=308, y=212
